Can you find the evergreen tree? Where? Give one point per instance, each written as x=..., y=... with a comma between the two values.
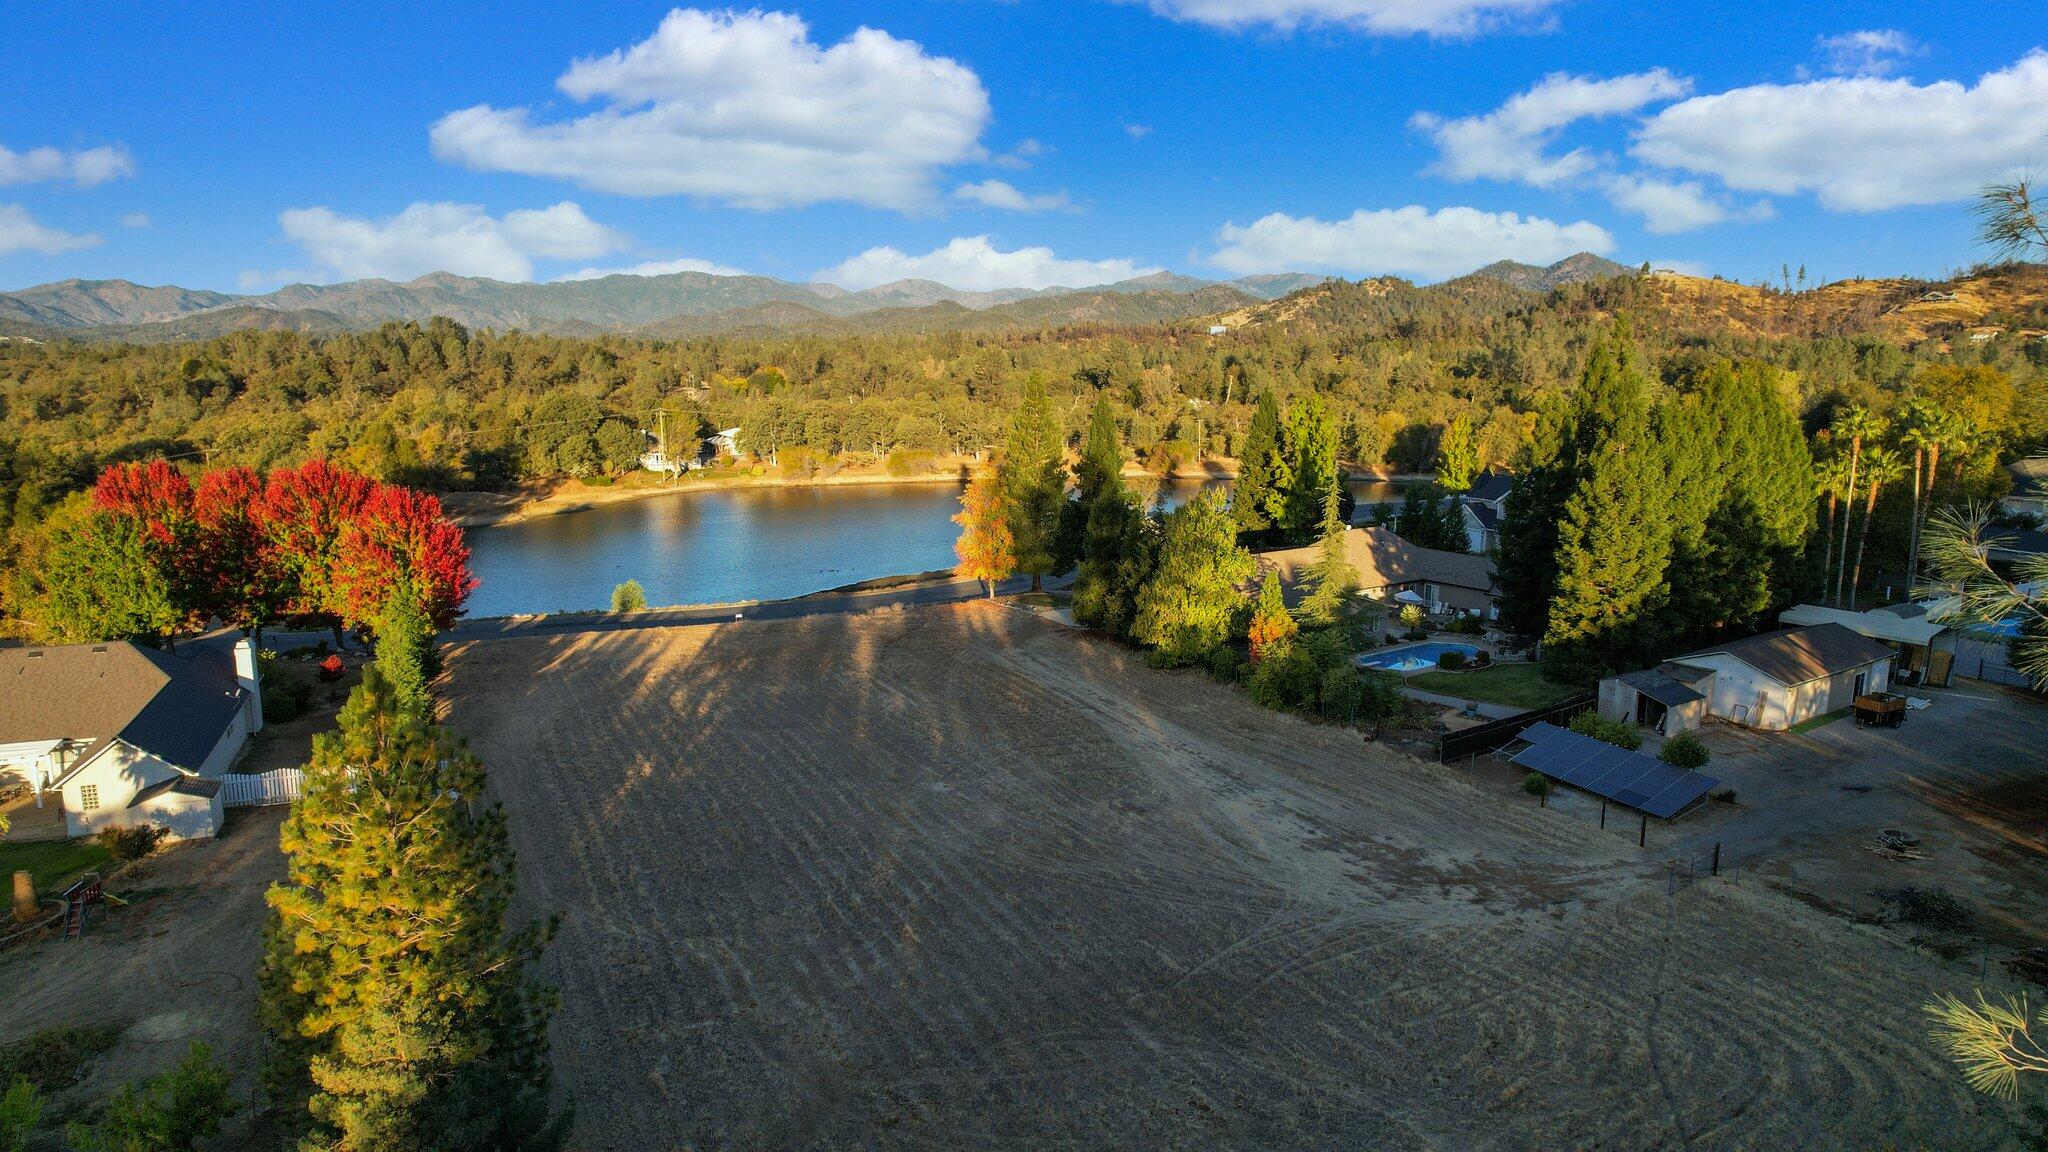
x=1118, y=541
x=400, y=1007
x=1429, y=519
x=1102, y=454
x=1185, y=609
x=1571, y=433
x=405, y=650
x=1311, y=436
x=1331, y=578
x=1258, y=499
x=1613, y=541
x=1033, y=477
x=1457, y=456
x=1271, y=625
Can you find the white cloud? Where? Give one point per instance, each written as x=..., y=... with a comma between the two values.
x=743, y=108
x=1669, y=206
x=19, y=232
x=85, y=168
x=998, y=194
x=1137, y=131
x=1860, y=144
x=1377, y=17
x=135, y=220
x=656, y=268
x=1511, y=142
x=1871, y=52
x=974, y=264
x=441, y=237
x=1411, y=241
x=1020, y=158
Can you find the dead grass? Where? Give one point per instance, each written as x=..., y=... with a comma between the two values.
x=958, y=878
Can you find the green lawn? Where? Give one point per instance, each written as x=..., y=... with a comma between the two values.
x=52, y=862
x=1514, y=685
x=1818, y=721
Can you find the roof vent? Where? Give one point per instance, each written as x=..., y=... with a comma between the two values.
x=99, y=647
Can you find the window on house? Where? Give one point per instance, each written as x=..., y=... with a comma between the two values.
x=89, y=797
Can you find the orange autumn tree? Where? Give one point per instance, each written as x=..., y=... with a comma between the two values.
x=1271, y=625
x=987, y=551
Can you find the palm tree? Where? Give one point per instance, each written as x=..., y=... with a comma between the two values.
x=1881, y=466
x=1852, y=424
x=1929, y=428
x=1828, y=473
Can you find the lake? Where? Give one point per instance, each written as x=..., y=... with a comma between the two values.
x=717, y=545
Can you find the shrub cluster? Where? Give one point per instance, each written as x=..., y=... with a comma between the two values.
x=1684, y=750
x=1619, y=733
x=127, y=843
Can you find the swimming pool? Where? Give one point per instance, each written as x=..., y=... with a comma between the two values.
x=1414, y=657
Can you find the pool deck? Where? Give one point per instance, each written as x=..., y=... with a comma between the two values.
x=1490, y=711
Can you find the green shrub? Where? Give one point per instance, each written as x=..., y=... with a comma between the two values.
x=130, y=842
x=1328, y=647
x=1451, y=661
x=1725, y=796
x=910, y=462
x=1380, y=700
x=1482, y=658
x=1536, y=784
x=1415, y=634
x=1684, y=750
x=171, y=1111
x=1284, y=680
x=1467, y=626
x=55, y=1058
x=21, y=1109
x=287, y=688
x=629, y=597
x=1224, y=663
x=1341, y=694
x=1616, y=732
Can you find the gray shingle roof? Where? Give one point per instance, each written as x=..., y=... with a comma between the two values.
x=174, y=708
x=2029, y=477
x=1490, y=486
x=202, y=786
x=1797, y=655
x=1660, y=686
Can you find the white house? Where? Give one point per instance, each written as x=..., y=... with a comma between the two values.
x=1772, y=681
x=121, y=734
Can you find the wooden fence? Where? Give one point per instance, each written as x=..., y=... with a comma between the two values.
x=248, y=791
x=1500, y=733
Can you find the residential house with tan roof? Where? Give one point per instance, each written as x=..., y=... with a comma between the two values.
x=1391, y=569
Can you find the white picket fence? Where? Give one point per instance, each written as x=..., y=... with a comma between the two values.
x=247, y=791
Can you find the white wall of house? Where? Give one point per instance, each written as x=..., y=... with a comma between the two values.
x=97, y=796
x=1745, y=695
x=230, y=746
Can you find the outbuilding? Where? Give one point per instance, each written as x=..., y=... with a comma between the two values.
x=1772, y=681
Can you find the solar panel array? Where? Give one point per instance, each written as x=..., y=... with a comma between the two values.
x=1617, y=774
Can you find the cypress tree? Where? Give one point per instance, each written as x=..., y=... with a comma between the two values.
x=405, y=649
x=1117, y=542
x=1033, y=477
x=1457, y=456
x=1258, y=499
x=1102, y=454
x=1311, y=437
x=400, y=1007
x=1185, y=608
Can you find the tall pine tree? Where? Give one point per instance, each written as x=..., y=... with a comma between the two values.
x=1118, y=540
x=1258, y=499
x=1033, y=477
x=1332, y=577
x=401, y=1008
x=1457, y=455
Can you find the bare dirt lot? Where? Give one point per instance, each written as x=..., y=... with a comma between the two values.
x=957, y=877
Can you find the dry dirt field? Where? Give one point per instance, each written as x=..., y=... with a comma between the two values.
x=957, y=877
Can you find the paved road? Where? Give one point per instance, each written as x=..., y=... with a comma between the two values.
x=938, y=592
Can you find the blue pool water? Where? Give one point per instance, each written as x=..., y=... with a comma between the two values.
x=1413, y=657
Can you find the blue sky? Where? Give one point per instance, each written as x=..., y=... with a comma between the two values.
x=983, y=143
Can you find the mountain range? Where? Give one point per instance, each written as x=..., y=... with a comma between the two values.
x=675, y=305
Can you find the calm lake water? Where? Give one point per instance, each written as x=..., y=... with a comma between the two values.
x=713, y=546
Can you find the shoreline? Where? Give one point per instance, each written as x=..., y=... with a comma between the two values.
x=534, y=501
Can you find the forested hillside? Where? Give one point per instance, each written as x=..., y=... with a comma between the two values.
x=437, y=405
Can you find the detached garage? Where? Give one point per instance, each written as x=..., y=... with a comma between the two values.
x=1773, y=681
